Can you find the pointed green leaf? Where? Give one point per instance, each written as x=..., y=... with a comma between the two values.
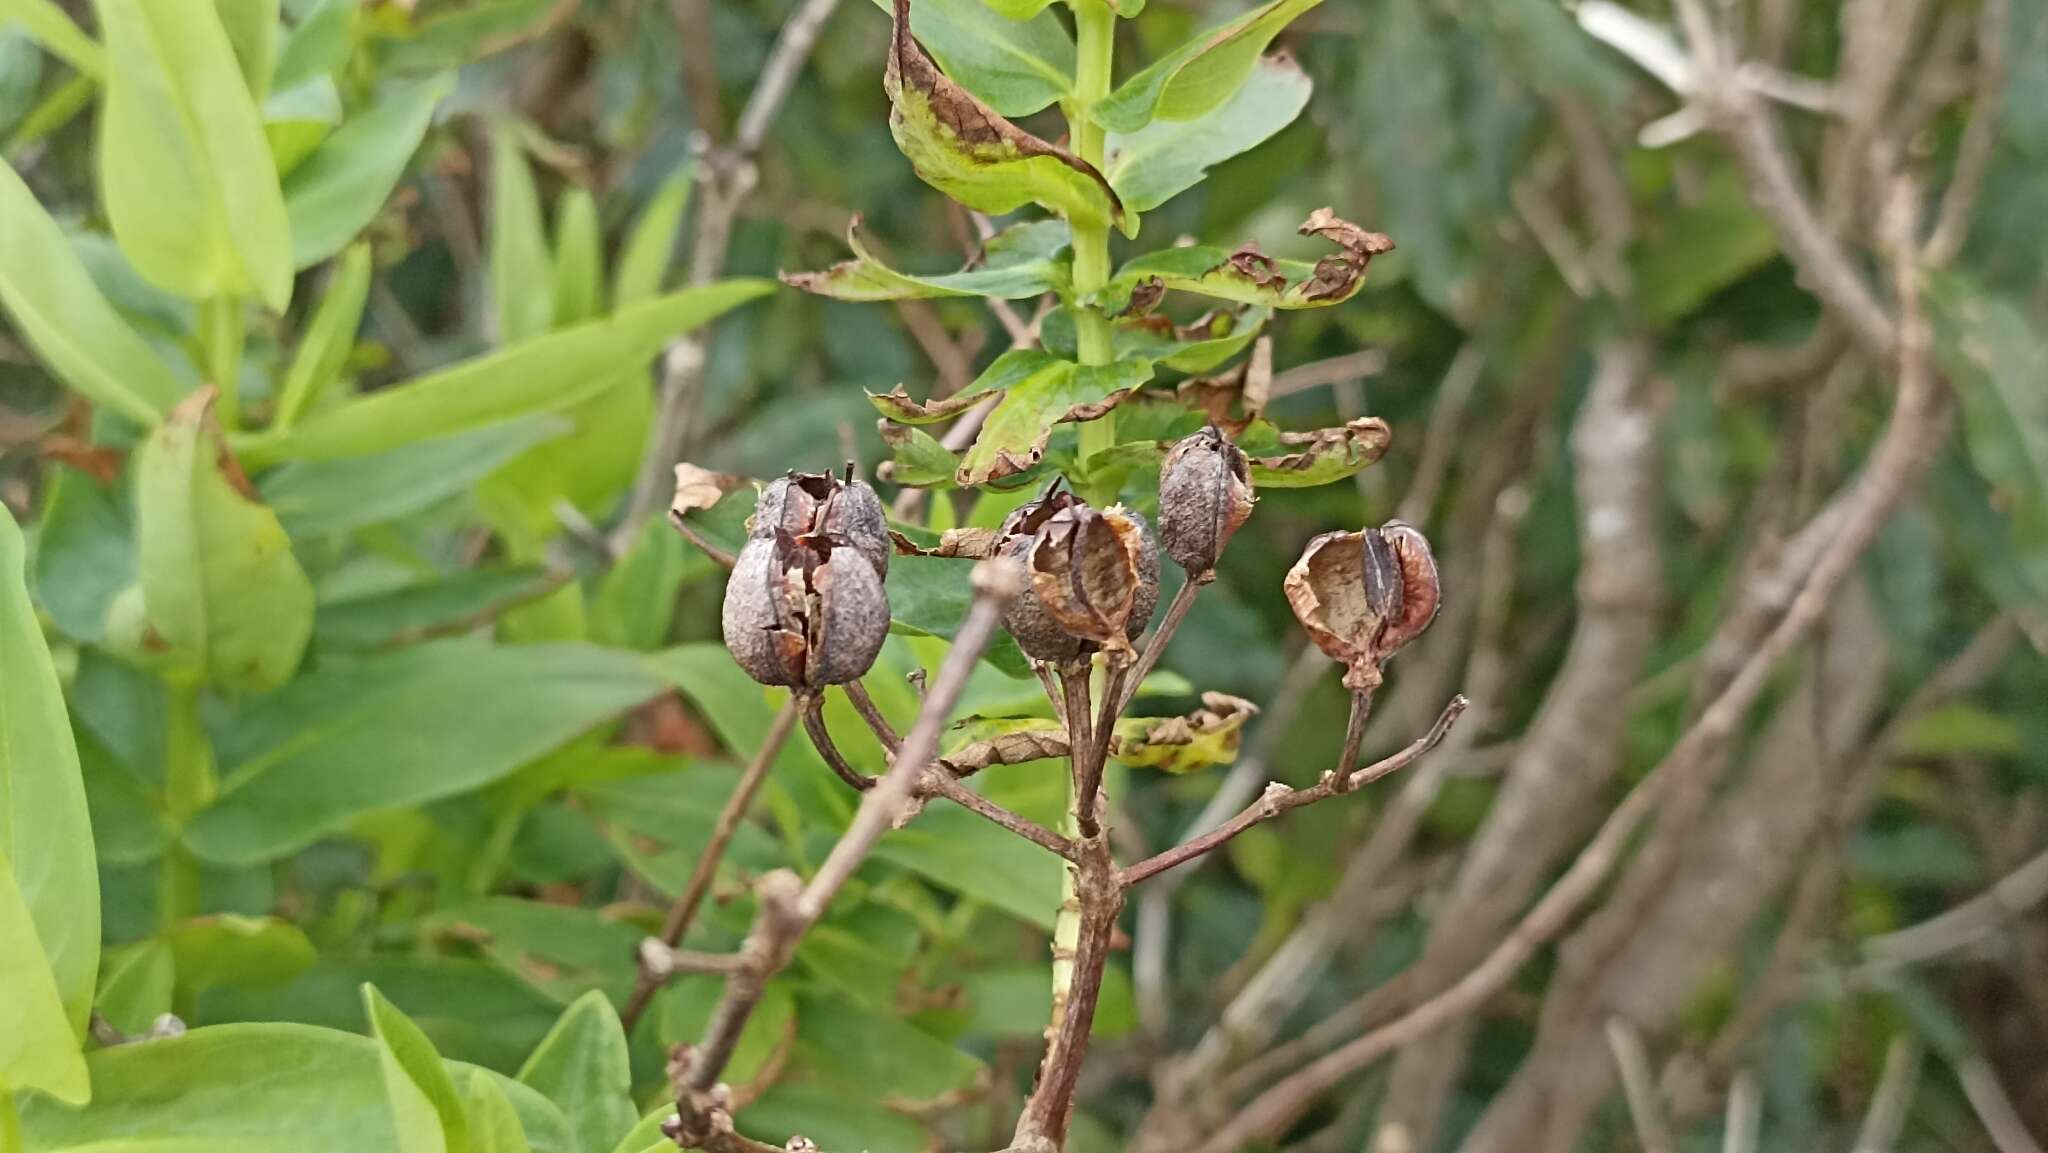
x=38, y=1047
x=340, y=188
x=541, y=375
x=325, y=346
x=1251, y=277
x=318, y=498
x=522, y=288
x=651, y=245
x=53, y=29
x=318, y=45
x=1202, y=73
x=970, y=152
x=579, y=259
x=442, y=606
x=918, y=460
x=1014, y=436
x=1016, y=64
x=583, y=1067
x=1167, y=157
x=297, y=120
x=425, y=1108
x=1018, y=263
x=61, y=313
x=136, y=987
x=251, y=26
x=493, y=1122
x=219, y=583
x=185, y=170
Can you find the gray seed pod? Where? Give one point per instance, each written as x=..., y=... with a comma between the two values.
x=758, y=630
x=790, y=503
x=854, y=515
x=804, y=613
x=1146, y=602
x=848, y=511
x=1205, y=495
x=1036, y=632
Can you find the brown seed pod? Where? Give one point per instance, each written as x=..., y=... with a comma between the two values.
x=804, y=612
x=847, y=510
x=1094, y=576
x=1363, y=595
x=1205, y=495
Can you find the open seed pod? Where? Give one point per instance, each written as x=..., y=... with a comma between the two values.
x=804, y=611
x=845, y=509
x=1094, y=577
x=1205, y=495
x=1364, y=595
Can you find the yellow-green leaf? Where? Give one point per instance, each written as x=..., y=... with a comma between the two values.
x=38, y=1049
x=1018, y=263
x=425, y=1108
x=324, y=348
x=644, y=259
x=53, y=29
x=1202, y=73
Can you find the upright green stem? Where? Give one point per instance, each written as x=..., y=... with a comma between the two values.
x=189, y=786
x=220, y=337
x=1095, y=36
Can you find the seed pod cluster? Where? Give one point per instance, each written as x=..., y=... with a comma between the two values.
x=1205, y=496
x=805, y=605
x=1094, y=576
x=1364, y=595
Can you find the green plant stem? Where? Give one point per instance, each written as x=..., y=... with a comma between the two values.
x=189, y=786
x=220, y=335
x=1095, y=35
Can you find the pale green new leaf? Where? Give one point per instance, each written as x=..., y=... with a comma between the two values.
x=1018, y=263
x=542, y=375
x=522, y=283
x=251, y=26
x=493, y=1122
x=582, y=1065
x=319, y=45
x=324, y=348
x=644, y=259
x=220, y=586
x=425, y=1107
x=579, y=259
x=341, y=186
x=1016, y=64
x=1202, y=73
x=38, y=1046
x=297, y=120
x=62, y=314
x=53, y=29
x=1167, y=157
x=185, y=170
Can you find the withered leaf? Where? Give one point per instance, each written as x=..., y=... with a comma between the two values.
x=1249, y=276
x=699, y=488
x=962, y=543
x=1207, y=736
x=1338, y=276
x=1322, y=456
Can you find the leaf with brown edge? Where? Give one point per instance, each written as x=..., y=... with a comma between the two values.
x=1013, y=368
x=1017, y=264
x=917, y=458
x=1014, y=436
x=1249, y=276
x=986, y=741
x=1207, y=736
x=973, y=154
x=1308, y=459
x=962, y=543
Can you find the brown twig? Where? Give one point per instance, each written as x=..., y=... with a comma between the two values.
x=687, y=903
x=1980, y=137
x=1176, y=614
x=813, y=709
x=1279, y=798
x=857, y=693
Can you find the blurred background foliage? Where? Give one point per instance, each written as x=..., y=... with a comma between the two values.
x=484, y=829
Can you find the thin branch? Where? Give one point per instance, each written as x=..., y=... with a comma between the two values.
x=821, y=739
x=1994, y=1108
x=1886, y=1116
x=1279, y=798
x=664, y=961
x=1639, y=1087
x=1745, y=1114
x=1176, y=614
x=939, y=783
x=1980, y=137
x=1440, y=438
x=1323, y=373
x=1080, y=741
x=1966, y=924
x=691, y=899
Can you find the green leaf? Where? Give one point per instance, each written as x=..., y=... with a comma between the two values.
x=227, y=949
x=1017, y=64
x=63, y=315
x=318, y=45
x=340, y=188
x=561, y=951
x=320, y=497
x=493, y=1122
x=522, y=286
x=220, y=586
x=1997, y=361
x=459, y=601
x=185, y=170
x=1014, y=1002
x=962, y=853
x=917, y=458
x=1014, y=436
x=1154, y=164
x=651, y=245
x=425, y=1107
x=38, y=1045
x=832, y=1118
x=583, y=1067
x=1201, y=74
x=400, y=729
x=880, y=1055
x=975, y=155
x=1309, y=459
x=53, y=29
x=579, y=259
x=85, y=552
x=929, y=596
x=588, y=466
x=1248, y=276
x=1020, y=262
x=251, y=26
x=634, y=604
x=297, y=120
x=324, y=348
x=542, y=375
x=136, y=987
x=253, y=1088
x=1709, y=244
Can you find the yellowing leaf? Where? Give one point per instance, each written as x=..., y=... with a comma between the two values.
x=1207, y=736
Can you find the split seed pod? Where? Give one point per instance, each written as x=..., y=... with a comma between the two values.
x=846, y=510
x=1205, y=495
x=1364, y=595
x=1094, y=577
x=804, y=612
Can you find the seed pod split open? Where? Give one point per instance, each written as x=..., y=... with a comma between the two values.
x=1094, y=577
x=1363, y=595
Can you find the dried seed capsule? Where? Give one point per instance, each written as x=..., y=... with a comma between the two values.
x=854, y=515
x=790, y=503
x=1094, y=576
x=804, y=612
x=1147, y=599
x=1363, y=595
x=802, y=503
x=1205, y=495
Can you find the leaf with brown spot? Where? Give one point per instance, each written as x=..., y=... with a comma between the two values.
x=1207, y=736
x=973, y=154
x=959, y=543
x=1249, y=276
x=1014, y=436
x=1308, y=459
x=1018, y=263
x=917, y=459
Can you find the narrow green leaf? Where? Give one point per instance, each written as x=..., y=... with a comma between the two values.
x=64, y=317
x=522, y=289
x=1021, y=262
x=296, y=121
x=1248, y=276
x=1016, y=64
x=38, y=1046
x=465, y=600
x=493, y=1122
x=400, y=729
x=1167, y=157
x=563, y=952
x=45, y=836
x=325, y=346
x=583, y=1067
x=879, y=1054
x=1202, y=73
x=340, y=188
x=53, y=29
x=541, y=375
x=634, y=603
x=579, y=259
x=85, y=552
x=318, y=498
x=219, y=583
x=185, y=170
x=424, y=1104
x=251, y=26
x=136, y=987
x=651, y=245
x=917, y=458
x=1014, y=436
x=318, y=45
